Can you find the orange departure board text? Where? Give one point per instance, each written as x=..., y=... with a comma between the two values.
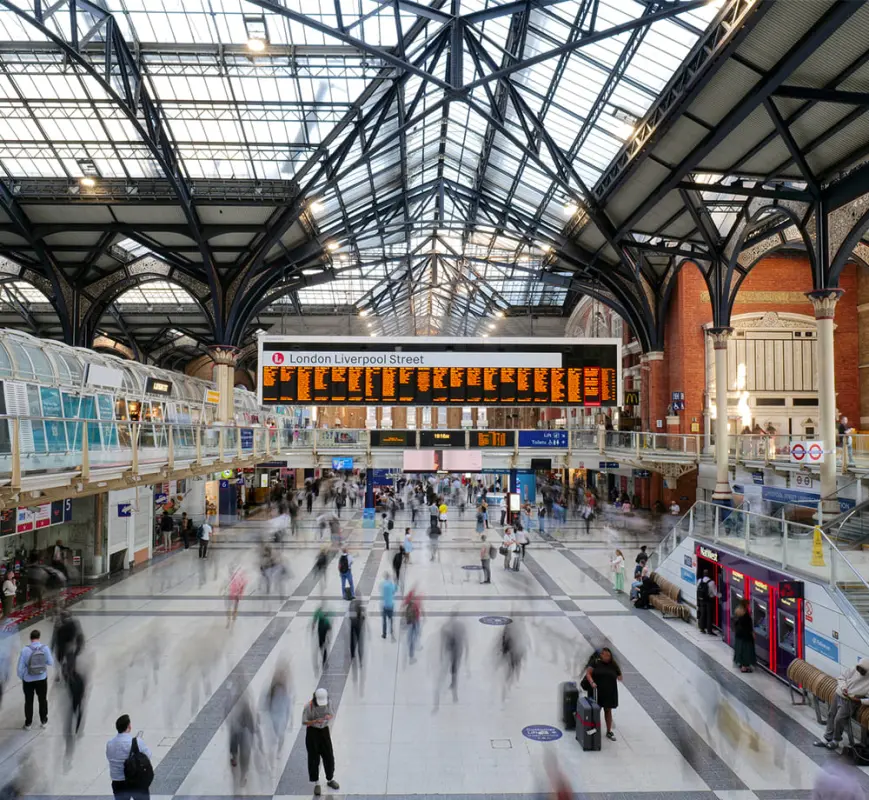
x=594, y=382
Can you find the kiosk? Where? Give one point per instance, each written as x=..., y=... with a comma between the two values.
x=775, y=600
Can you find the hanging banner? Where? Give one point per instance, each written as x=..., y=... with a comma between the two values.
x=25, y=520
x=42, y=517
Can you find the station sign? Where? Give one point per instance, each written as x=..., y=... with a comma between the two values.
x=437, y=439
x=492, y=438
x=393, y=438
x=159, y=387
x=543, y=439
x=421, y=372
x=344, y=463
x=809, y=452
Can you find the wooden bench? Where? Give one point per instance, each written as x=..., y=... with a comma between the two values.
x=809, y=682
x=668, y=601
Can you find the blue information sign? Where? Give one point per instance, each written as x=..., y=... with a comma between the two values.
x=821, y=644
x=642, y=473
x=777, y=494
x=688, y=576
x=541, y=733
x=247, y=438
x=342, y=463
x=125, y=509
x=542, y=438
x=609, y=465
x=369, y=517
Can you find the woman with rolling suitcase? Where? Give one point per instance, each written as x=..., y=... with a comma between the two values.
x=602, y=676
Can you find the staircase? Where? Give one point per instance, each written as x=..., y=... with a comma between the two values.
x=858, y=596
x=850, y=531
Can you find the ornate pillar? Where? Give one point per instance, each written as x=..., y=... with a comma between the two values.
x=657, y=390
x=824, y=302
x=722, y=493
x=225, y=358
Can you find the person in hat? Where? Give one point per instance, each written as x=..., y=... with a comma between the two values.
x=318, y=741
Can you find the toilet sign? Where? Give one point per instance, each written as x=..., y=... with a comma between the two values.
x=807, y=452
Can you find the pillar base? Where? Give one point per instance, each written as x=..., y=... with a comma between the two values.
x=723, y=494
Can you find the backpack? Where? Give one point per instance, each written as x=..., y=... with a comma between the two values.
x=390, y=525
x=38, y=661
x=493, y=552
x=703, y=590
x=138, y=772
x=343, y=563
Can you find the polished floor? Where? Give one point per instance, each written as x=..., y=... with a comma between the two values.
x=688, y=726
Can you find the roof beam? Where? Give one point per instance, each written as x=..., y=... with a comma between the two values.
x=770, y=193
x=793, y=148
x=829, y=23
x=823, y=95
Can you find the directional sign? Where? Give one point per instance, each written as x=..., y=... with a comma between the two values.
x=608, y=465
x=125, y=509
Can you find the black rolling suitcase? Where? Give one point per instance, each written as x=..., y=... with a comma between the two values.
x=569, y=697
x=588, y=723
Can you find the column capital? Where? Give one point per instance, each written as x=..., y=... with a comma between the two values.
x=824, y=302
x=654, y=355
x=720, y=337
x=224, y=355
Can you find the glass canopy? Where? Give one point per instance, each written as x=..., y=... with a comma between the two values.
x=437, y=207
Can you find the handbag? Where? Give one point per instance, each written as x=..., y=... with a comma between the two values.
x=502, y=550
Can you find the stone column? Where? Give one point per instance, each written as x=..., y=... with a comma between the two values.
x=824, y=302
x=657, y=391
x=722, y=493
x=225, y=359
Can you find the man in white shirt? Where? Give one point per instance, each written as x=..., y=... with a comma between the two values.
x=674, y=509
x=117, y=752
x=204, y=539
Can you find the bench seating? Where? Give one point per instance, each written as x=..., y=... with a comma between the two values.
x=668, y=600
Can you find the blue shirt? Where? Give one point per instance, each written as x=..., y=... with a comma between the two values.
x=118, y=751
x=24, y=658
x=388, y=591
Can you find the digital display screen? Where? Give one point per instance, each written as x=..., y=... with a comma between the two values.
x=158, y=387
x=441, y=386
x=493, y=438
x=393, y=438
x=441, y=438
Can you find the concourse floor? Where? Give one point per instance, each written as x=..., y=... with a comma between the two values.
x=688, y=726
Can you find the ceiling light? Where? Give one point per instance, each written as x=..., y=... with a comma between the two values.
x=312, y=271
x=571, y=208
x=370, y=324
x=364, y=312
x=372, y=334
x=256, y=45
x=492, y=326
x=499, y=313
x=332, y=246
x=87, y=181
x=485, y=335
x=316, y=207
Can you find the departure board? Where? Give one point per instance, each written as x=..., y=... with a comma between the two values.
x=440, y=386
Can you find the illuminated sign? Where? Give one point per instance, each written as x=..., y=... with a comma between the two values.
x=393, y=438
x=492, y=438
x=710, y=555
x=759, y=586
x=441, y=438
x=736, y=576
x=792, y=590
x=421, y=372
x=158, y=386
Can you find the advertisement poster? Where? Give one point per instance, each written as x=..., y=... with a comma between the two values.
x=7, y=521
x=42, y=515
x=24, y=521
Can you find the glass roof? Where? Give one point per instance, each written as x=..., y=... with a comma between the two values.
x=466, y=184
x=156, y=293
x=20, y=292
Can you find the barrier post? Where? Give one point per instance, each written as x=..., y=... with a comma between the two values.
x=170, y=450
x=747, y=531
x=715, y=527
x=691, y=521
x=784, y=542
x=16, y=453
x=85, y=454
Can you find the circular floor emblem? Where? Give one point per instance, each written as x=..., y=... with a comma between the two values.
x=495, y=620
x=541, y=733
x=472, y=566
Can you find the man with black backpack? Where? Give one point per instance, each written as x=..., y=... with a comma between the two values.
x=345, y=564
x=129, y=763
x=33, y=664
x=706, y=594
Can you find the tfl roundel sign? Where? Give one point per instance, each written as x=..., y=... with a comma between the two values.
x=807, y=452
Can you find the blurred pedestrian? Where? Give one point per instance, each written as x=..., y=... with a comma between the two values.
x=507, y=546
x=318, y=741
x=601, y=681
x=453, y=649
x=387, y=609
x=186, y=528
x=235, y=591
x=743, y=638
x=412, y=610
x=357, y=636
x=617, y=567
x=838, y=782
x=522, y=540
x=76, y=685
x=243, y=734
x=322, y=624
x=204, y=539
x=320, y=564
x=386, y=526
x=397, y=563
x=434, y=535
x=479, y=522
x=408, y=545
x=486, y=560
x=118, y=751
x=279, y=703
x=33, y=664
x=511, y=650
x=67, y=641
x=345, y=570
x=10, y=589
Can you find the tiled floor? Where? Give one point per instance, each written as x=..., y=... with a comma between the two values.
x=689, y=727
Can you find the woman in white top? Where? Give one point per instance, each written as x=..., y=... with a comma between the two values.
x=9, y=591
x=617, y=565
